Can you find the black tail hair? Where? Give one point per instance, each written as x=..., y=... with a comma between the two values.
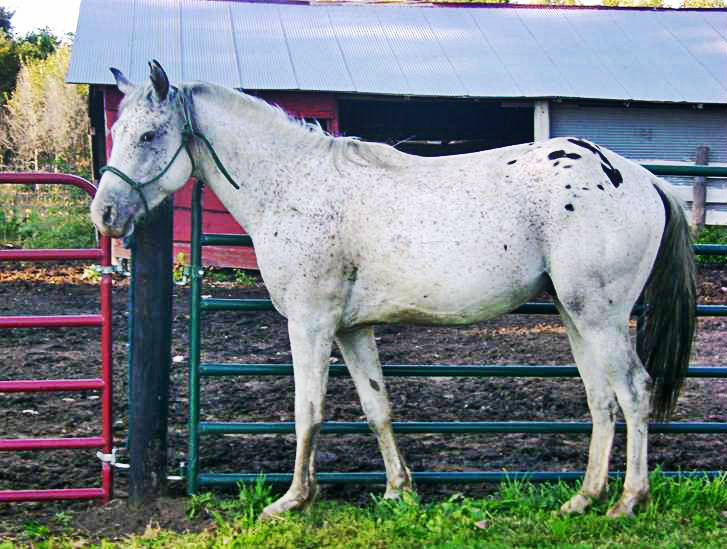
x=665, y=335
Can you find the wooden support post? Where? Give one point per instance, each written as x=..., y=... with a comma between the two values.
x=541, y=120
x=150, y=355
x=699, y=191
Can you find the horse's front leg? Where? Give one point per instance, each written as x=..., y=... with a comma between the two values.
x=310, y=343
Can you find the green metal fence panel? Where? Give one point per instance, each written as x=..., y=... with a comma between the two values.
x=460, y=477
x=427, y=370
x=198, y=370
x=444, y=427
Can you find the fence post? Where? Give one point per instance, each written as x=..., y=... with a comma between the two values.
x=699, y=191
x=150, y=355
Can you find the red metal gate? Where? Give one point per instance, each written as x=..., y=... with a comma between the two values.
x=104, y=442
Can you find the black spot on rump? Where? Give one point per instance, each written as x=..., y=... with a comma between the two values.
x=586, y=145
x=569, y=207
x=512, y=162
x=563, y=154
x=613, y=174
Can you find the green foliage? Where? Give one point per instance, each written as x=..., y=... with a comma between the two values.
x=36, y=45
x=243, y=279
x=180, y=270
x=238, y=513
x=9, y=227
x=5, y=16
x=57, y=227
x=712, y=235
x=9, y=65
x=45, y=217
x=238, y=276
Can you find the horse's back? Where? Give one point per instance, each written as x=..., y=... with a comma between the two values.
x=461, y=238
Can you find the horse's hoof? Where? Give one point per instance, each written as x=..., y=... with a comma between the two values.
x=620, y=511
x=576, y=505
x=626, y=505
x=289, y=503
x=396, y=493
x=277, y=508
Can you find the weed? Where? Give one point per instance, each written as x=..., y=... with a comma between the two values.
x=35, y=530
x=243, y=279
x=180, y=271
x=238, y=276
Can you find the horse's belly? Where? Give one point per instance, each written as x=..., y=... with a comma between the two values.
x=413, y=298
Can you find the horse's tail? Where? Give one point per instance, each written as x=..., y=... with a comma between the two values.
x=665, y=335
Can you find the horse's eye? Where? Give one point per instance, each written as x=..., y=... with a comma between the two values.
x=147, y=137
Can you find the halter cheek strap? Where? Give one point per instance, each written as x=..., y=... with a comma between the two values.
x=188, y=133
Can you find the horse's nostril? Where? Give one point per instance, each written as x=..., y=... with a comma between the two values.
x=108, y=215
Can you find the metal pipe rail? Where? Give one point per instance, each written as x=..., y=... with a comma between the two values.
x=199, y=370
x=104, y=442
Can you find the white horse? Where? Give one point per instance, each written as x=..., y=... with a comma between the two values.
x=351, y=234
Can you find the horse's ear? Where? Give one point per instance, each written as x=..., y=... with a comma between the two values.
x=159, y=80
x=122, y=83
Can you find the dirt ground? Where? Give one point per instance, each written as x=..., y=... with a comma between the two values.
x=262, y=338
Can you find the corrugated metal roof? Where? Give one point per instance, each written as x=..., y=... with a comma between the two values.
x=672, y=56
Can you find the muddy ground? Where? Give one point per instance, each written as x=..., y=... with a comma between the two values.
x=261, y=338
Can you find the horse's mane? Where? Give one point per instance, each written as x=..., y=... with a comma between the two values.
x=344, y=150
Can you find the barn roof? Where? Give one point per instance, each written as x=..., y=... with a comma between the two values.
x=661, y=56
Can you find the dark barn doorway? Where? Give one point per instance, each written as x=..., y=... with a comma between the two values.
x=437, y=127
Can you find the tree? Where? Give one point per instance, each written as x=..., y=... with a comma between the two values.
x=9, y=65
x=5, y=16
x=46, y=123
x=37, y=44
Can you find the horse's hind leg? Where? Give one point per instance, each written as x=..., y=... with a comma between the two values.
x=609, y=365
x=362, y=359
x=602, y=405
x=633, y=390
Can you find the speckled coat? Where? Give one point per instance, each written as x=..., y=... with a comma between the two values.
x=350, y=234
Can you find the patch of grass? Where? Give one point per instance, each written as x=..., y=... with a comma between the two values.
x=45, y=218
x=239, y=276
x=712, y=235
x=681, y=513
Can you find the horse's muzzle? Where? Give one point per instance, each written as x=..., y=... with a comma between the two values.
x=110, y=221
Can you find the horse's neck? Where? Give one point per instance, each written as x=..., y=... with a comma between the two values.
x=258, y=148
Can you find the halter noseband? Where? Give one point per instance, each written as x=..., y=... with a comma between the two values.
x=188, y=132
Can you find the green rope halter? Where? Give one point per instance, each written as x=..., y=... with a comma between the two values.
x=188, y=132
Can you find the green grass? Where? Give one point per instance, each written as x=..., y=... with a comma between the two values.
x=681, y=514
x=49, y=218
x=712, y=235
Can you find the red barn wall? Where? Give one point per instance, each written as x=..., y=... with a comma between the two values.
x=320, y=106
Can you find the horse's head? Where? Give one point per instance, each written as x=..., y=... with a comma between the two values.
x=149, y=160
